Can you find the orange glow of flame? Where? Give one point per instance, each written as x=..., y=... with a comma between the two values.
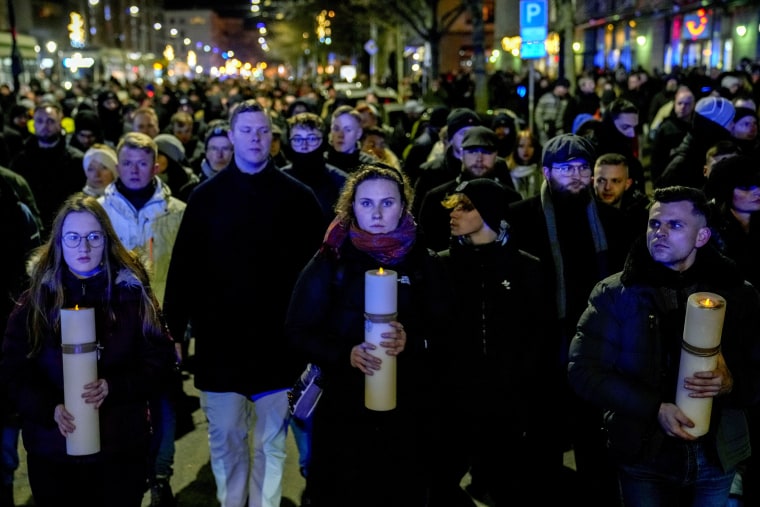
x=76, y=307
x=708, y=303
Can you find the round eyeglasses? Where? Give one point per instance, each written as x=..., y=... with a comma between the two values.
x=95, y=239
x=311, y=139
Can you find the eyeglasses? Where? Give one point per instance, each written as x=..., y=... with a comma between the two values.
x=312, y=139
x=95, y=239
x=569, y=169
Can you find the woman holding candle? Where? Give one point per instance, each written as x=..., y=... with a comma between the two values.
x=83, y=265
x=363, y=456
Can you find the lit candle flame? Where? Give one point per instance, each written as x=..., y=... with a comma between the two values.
x=708, y=303
x=76, y=307
x=380, y=271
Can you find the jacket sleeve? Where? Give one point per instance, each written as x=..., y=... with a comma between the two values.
x=605, y=335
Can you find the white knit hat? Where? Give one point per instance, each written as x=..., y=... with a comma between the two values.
x=103, y=155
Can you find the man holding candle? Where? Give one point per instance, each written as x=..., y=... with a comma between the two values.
x=625, y=357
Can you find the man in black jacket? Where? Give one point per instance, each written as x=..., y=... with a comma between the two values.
x=579, y=242
x=235, y=261
x=626, y=359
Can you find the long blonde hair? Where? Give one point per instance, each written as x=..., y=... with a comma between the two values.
x=46, y=294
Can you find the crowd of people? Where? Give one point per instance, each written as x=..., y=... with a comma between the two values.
x=543, y=277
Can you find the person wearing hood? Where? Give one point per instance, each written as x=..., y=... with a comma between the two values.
x=501, y=302
x=504, y=126
x=111, y=116
x=712, y=122
x=618, y=134
x=172, y=166
x=307, y=162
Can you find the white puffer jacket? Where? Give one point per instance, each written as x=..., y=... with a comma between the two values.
x=150, y=231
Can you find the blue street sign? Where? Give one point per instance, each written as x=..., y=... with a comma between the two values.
x=534, y=27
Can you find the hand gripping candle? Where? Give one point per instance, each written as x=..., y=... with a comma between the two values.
x=699, y=352
x=80, y=367
x=380, y=300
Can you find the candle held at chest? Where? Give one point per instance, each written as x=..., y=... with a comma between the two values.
x=702, y=331
x=380, y=306
x=80, y=367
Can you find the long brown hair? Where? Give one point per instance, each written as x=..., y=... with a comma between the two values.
x=46, y=294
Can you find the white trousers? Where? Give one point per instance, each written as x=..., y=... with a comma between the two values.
x=232, y=420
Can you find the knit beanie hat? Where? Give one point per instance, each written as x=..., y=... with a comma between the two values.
x=87, y=120
x=566, y=147
x=170, y=146
x=102, y=154
x=489, y=198
x=716, y=109
x=460, y=118
x=742, y=112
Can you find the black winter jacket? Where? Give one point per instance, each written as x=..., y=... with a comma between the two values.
x=625, y=355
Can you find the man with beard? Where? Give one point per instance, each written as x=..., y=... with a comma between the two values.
x=579, y=243
x=51, y=167
x=479, y=160
x=307, y=162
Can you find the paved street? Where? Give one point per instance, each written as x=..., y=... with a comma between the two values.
x=193, y=482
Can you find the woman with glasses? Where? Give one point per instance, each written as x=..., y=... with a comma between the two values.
x=84, y=265
x=307, y=161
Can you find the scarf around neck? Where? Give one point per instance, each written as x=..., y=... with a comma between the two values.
x=597, y=233
x=388, y=249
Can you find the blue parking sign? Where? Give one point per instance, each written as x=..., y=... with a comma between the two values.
x=534, y=27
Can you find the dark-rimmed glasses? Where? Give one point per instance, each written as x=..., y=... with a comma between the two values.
x=73, y=240
x=311, y=139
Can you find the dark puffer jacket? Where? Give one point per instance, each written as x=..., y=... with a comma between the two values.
x=624, y=357
x=135, y=366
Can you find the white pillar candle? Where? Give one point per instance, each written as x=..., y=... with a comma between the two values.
x=702, y=330
x=80, y=367
x=380, y=305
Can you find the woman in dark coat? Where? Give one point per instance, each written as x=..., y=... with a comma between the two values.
x=362, y=456
x=84, y=264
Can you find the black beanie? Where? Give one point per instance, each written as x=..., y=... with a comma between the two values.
x=489, y=198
